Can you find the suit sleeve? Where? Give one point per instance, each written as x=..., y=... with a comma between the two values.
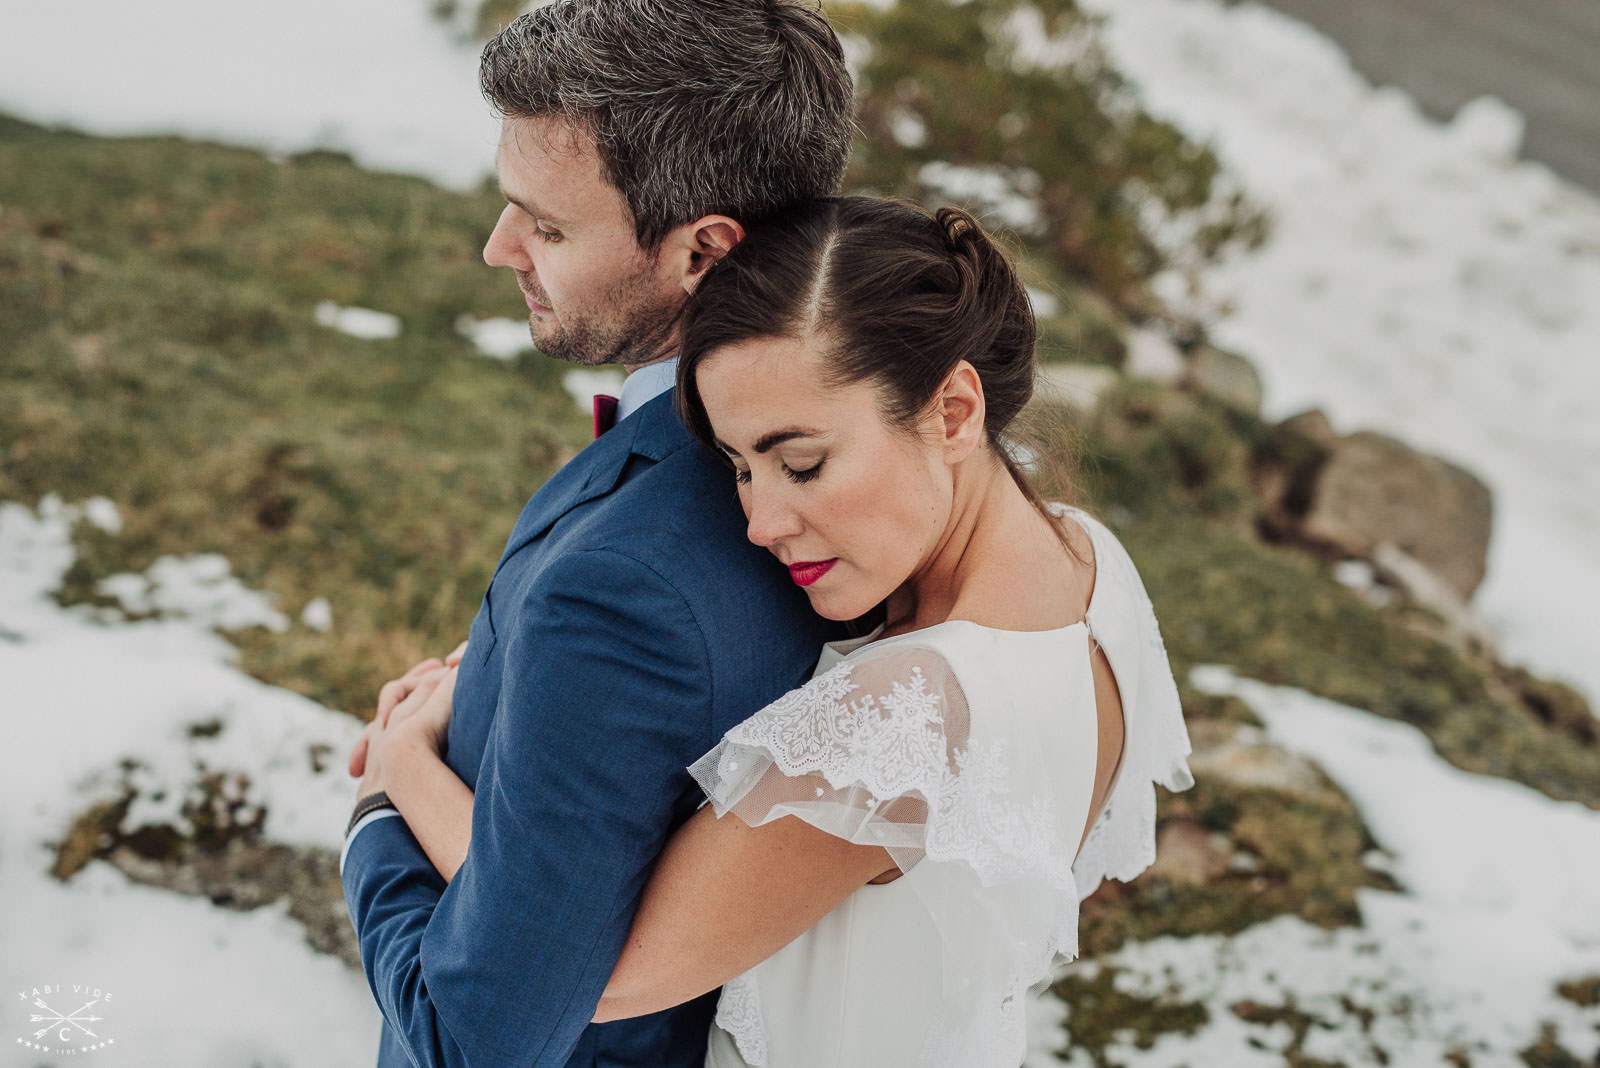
x=606, y=698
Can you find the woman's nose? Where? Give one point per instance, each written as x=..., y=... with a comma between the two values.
x=771, y=520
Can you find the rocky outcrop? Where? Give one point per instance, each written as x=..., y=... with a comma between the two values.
x=1228, y=377
x=1422, y=521
x=1374, y=490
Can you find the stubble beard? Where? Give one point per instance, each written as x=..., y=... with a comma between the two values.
x=623, y=326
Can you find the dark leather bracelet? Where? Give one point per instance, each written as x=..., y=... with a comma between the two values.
x=370, y=803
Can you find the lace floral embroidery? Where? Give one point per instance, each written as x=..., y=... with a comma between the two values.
x=888, y=745
x=739, y=1014
x=893, y=744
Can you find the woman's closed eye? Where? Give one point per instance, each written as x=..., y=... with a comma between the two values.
x=741, y=475
x=805, y=474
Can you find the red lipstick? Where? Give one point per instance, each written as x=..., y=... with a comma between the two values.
x=804, y=574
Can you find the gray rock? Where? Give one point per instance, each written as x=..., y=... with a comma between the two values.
x=1246, y=759
x=1312, y=425
x=1187, y=853
x=1154, y=357
x=1076, y=386
x=1229, y=378
x=1373, y=490
x=1421, y=586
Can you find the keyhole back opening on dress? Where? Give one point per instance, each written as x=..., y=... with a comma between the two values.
x=1113, y=732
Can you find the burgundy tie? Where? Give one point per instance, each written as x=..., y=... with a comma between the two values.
x=605, y=413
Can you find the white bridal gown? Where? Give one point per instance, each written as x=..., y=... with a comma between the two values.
x=969, y=753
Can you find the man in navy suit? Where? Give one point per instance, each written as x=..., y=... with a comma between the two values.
x=630, y=622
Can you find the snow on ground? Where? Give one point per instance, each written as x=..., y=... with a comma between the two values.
x=506, y=339
x=363, y=323
x=498, y=339
x=582, y=383
x=199, y=588
x=381, y=79
x=1419, y=280
x=1501, y=901
x=184, y=982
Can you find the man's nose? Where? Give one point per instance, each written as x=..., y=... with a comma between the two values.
x=503, y=249
x=770, y=518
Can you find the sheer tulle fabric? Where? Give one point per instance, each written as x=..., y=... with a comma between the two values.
x=982, y=806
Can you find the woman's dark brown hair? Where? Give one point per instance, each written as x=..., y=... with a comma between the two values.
x=894, y=295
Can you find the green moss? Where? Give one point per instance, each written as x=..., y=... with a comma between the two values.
x=1275, y=615
x=1584, y=992
x=1176, y=474
x=1299, y=1022
x=1305, y=859
x=156, y=300
x=1100, y=1015
x=1153, y=451
x=1548, y=1052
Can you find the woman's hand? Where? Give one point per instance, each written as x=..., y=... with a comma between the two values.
x=400, y=755
x=425, y=713
x=414, y=726
x=424, y=675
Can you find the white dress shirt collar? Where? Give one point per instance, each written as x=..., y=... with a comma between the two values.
x=645, y=385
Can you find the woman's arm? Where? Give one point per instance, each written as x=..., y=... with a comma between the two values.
x=725, y=896
x=399, y=754
x=436, y=804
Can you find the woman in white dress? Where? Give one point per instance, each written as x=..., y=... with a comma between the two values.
x=893, y=854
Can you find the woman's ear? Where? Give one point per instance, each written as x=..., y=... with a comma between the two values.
x=962, y=409
x=702, y=243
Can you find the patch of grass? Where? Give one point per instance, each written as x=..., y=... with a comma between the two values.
x=1548, y=1052
x=1277, y=616
x=1584, y=992
x=1174, y=473
x=156, y=301
x=1307, y=851
x=1299, y=1023
x=1101, y=1016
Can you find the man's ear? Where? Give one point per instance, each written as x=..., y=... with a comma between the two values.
x=700, y=244
x=962, y=410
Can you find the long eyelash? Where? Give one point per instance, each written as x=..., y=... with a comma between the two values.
x=807, y=475
x=741, y=477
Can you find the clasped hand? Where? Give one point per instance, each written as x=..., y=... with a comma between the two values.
x=413, y=711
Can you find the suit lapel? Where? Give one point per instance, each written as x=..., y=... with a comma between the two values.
x=652, y=432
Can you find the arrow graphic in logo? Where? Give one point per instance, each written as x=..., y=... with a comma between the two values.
x=56, y=1019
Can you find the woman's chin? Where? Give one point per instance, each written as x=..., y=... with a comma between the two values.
x=829, y=605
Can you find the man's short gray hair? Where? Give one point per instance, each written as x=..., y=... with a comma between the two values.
x=697, y=107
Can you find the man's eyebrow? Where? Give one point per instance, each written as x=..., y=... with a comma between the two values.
x=529, y=208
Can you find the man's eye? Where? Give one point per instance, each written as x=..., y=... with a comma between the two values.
x=550, y=236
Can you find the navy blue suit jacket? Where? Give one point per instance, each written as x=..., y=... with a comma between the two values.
x=628, y=625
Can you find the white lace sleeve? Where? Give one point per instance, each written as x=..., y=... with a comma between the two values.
x=860, y=751
x=882, y=750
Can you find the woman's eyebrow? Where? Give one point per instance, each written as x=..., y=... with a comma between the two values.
x=778, y=437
